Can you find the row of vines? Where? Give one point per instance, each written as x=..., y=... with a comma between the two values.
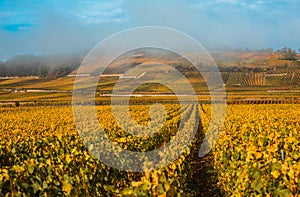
x=43, y=155
x=257, y=154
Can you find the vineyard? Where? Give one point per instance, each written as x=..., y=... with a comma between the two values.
x=150, y=98
x=257, y=153
x=279, y=77
x=245, y=79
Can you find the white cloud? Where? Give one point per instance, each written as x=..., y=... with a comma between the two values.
x=95, y=12
x=227, y=1
x=66, y=26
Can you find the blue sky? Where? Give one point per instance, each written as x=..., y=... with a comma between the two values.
x=57, y=26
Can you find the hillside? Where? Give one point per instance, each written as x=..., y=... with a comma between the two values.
x=259, y=74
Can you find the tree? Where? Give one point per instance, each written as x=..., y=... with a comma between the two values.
x=291, y=54
x=288, y=54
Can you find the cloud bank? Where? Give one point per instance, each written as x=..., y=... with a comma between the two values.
x=70, y=26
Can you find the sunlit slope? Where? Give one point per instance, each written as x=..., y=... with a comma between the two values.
x=37, y=83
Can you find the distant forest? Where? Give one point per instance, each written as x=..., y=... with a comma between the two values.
x=42, y=66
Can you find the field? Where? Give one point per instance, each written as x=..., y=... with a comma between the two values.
x=44, y=153
x=257, y=154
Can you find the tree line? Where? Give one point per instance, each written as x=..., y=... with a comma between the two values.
x=287, y=54
x=42, y=66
